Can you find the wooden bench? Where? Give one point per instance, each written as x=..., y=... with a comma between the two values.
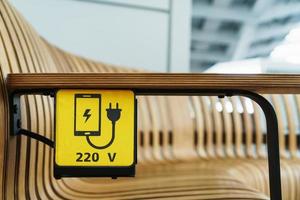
x=189, y=147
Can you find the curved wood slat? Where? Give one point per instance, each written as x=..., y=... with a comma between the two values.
x=248, y=126
x=228, y=123
x=218, y=127
x=238, y=129
x=165, y=129
x=208, y=126
x=259, y=133
x=281, y=131
x=199, y=127
x=291, y=126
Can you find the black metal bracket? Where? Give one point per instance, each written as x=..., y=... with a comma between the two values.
x=15, y=116
x=272, y=142
x=266, y=106
x=271, y=119
x=15, y=107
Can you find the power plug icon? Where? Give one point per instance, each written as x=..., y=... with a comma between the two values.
x=113, y=114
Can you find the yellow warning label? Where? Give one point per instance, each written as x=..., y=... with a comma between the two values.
x=95, y=128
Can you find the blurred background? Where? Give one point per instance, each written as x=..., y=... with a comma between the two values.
x=222, y=36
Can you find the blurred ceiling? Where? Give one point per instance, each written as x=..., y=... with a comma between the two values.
x=224, y=30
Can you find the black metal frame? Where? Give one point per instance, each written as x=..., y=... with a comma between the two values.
x=266, y=106
x=271, y=120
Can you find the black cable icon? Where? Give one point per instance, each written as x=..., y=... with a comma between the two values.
x=113, y=114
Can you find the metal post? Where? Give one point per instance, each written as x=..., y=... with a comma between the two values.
x=272, y=142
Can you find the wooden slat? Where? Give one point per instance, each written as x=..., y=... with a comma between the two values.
x=267, y=83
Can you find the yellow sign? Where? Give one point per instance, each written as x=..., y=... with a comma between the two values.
x=95, y=128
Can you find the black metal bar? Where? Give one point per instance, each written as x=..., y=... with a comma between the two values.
x=266, y=106
x=38, y=137
x=272, y=142
x=271, y=119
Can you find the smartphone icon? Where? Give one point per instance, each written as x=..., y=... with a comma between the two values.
x=87, y=114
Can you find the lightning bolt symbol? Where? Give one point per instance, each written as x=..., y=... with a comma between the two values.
x=87, y=114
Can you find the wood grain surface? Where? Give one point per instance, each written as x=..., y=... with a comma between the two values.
x=262, y=83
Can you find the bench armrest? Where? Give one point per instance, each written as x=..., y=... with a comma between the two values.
x=267, y=83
